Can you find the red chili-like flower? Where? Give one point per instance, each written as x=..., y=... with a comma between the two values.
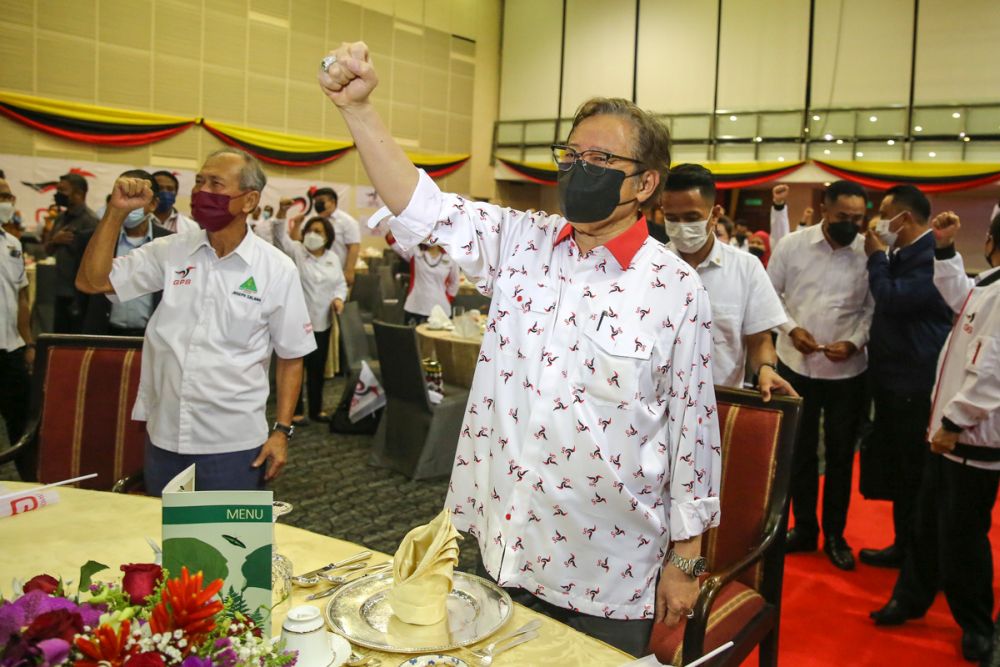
x=42, y=582
x=145, y=660
x=106, y=648
x=140, y=580
x=59, y=624
x=185, y=605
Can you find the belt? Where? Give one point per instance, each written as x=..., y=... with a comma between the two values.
x=976, y=452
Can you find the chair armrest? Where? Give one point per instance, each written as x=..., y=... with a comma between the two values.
x=694, y=631
x=129, y=483
x=12, y=452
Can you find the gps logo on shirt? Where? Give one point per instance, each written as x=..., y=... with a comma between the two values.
x=182, y=276
x=248, y=290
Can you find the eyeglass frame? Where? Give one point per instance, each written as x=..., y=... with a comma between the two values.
x=580, y=159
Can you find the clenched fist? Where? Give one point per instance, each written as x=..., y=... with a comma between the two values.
x=779, y=194
x=129, y=194
x=351, y=78
x=945, y=226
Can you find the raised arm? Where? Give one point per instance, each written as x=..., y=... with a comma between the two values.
x=950, y=278
x=280, y=228
x=348, y=82
x=779, y=213
x=94, y=274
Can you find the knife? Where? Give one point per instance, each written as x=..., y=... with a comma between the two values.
x=376, y=569
x=364, y=555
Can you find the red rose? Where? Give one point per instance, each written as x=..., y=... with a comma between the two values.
x=43, y=582
x=140, y=580
x=59, y=624
x=146, y=660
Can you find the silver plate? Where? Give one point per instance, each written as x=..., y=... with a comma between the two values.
x=360, y=612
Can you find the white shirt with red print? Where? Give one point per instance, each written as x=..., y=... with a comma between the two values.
x=591, y=437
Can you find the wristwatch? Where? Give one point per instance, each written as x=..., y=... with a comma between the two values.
x=692, y=567
x=287, y=429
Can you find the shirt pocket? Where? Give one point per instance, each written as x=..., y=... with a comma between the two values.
x=613, y=358
x=726, y=329
x=241, y=322
x=524, y=310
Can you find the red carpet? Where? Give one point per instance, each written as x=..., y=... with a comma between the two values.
x=824, y=618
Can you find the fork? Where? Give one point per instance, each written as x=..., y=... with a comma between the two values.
x=486, y=661
x=524, y=629
x=376, y=569
x=337, y=580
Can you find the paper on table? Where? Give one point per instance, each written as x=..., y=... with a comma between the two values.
x=438, y=318
x=422, y=572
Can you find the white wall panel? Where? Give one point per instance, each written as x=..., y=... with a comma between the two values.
x=762, y=59
x=676, y=64
x=861, y=53
x=600, y=51
x=957, y=52
x=529, y=77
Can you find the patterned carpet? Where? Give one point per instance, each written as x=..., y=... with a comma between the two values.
x=335, y=492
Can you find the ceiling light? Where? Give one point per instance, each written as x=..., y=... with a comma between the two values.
x=859, y=154
x=815, y=117
x=873, y=119
x=828, y=137
x=758, y=139
x=956, y=115
x=966, y=139
x=961, y=134
x=840, y=141
x=732, y=118
x=826, y=152
x=826, y=184
x=891, y=142
x=781, y=158
x=918, y=128
x=932, y=154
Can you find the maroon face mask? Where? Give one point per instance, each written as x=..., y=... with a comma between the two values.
x=211, y=210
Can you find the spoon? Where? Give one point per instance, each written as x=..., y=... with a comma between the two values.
x=310, y=579
x=309, y=582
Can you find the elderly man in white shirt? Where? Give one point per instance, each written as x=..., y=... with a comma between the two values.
x=167, y=215
x=17, y=351
x=229, y=298
x=744, y=305
x=591, y=440
x=821, y=275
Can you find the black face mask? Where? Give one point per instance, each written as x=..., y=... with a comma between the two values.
x=320, y=206
x=756, y=252
x=61, y=199
x=587, y=198
x=741, y=237
x=843, y=233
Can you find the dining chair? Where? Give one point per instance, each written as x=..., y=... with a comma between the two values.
x=740, y=600
x=415, y=437
x=365, y=293
x=79, y=421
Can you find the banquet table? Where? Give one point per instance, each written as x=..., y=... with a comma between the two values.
x=458, y=356
x=112, y=529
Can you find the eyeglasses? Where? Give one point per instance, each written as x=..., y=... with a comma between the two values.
x=594, y=162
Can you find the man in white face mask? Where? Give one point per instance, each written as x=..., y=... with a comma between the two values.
x=745, y=306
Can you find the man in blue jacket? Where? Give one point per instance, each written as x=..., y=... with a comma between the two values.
x=909, y=327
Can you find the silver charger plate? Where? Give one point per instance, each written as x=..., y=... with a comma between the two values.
x=360, y=612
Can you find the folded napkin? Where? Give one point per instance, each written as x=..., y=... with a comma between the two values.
x=438, y=319
x=422, y=572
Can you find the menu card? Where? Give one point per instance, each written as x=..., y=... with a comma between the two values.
x=226, y=535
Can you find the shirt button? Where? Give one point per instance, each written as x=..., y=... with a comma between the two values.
x=508, y=516
x=520, y=298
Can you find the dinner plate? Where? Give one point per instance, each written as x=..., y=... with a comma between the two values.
x=360, y=612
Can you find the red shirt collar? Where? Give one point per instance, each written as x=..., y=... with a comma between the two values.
x=623, y=247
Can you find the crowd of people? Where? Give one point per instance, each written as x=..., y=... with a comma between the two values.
x=591, y=439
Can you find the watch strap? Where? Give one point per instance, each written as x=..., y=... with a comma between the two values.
x=287, y=429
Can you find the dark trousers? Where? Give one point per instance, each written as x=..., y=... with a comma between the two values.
x=840, y=403
x=67, y=315
x=315, y=367
x=629, y=636
x=901, y=426
x=413, y=319
x=951, y=544
x=14, y=385
x=229, y=471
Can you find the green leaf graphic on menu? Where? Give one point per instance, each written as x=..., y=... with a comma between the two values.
x=196, y=555
x=257, y=568
x=234, y=541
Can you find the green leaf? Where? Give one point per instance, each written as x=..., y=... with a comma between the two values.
x=196, y=555
x=257, y=568
x=234, y=541
x=89, y=569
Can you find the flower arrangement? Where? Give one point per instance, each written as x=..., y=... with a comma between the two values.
x=146, y=620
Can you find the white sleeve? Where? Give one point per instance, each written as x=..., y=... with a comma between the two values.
x=862, y=331
x=952, y=282
x=279, y=226
x=779, y=224
x=776, y=271
x=979, y=395
x=350, y=228
x=339, y=281
x=470, y=232
x=288, y=321
x=763, y=308
x=142, y=271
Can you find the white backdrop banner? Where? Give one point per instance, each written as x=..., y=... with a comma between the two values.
x=33, y=181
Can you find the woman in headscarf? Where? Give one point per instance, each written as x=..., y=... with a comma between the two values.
x=760, y=247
